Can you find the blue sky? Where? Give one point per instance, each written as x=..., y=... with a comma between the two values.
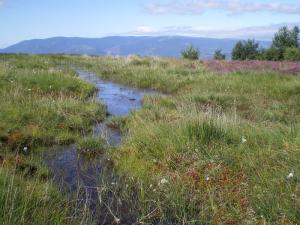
x=28, y=19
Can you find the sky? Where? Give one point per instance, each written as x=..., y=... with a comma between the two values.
x=31, y=19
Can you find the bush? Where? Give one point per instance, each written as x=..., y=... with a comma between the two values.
x=292, y=54
x=270, y=54
x=191, y=53
x=219, y=55
x=285, y=39
x=244, y=50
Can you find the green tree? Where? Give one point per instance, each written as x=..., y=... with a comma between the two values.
x=191, y=53
x=270, y=54
x=218, y=55
x=286, y=38
x=292, y=54
x=244, y=50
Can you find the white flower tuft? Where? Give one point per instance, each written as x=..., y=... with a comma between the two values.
x=244, y=140
x=290, y=175
x=163, y=181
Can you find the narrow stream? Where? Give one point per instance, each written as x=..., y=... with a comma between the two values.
x=73, y=171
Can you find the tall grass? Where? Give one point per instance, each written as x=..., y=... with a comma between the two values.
x=29, y=202
x=42, y=104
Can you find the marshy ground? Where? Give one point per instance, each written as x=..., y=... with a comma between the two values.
x=214, y=149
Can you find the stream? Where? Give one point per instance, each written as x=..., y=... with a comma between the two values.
x=73, y=171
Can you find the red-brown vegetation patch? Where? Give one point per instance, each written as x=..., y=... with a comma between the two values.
x=222, y=66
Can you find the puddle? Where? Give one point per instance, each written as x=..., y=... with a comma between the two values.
x=73, y=171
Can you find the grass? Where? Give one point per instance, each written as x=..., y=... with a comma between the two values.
x=29, y=202
x=215, y=149
x=42, y=104
x=91, y=145
x=117, y=123
x=167, y=75
x=224, y=143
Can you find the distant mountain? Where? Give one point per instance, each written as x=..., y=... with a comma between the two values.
x=170, y=46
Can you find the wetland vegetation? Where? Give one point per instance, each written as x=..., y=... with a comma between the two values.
x=214, y=148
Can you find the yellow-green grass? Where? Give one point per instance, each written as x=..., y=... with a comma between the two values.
x=222, y=149
x=167, y=75
x=217, y=149
x=43, y=104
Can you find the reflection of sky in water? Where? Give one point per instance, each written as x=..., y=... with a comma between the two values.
x=119, y=99
x=72, y=169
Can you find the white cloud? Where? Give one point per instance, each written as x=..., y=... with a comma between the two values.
x=258, y=32
x=230, y=6
x=145, y=30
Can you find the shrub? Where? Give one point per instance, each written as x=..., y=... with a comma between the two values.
x=292, y=54
x=218, y=55
x=286, y=38
x=244, y=50
x=191, y=53
x=270, y=54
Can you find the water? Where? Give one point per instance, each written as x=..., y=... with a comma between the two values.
x=73, y=171
x=120, y=100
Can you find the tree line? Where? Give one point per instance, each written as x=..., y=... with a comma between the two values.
x=285, y=46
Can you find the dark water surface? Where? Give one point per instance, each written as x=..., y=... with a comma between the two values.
x=73, y=171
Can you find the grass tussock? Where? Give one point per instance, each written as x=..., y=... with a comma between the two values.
x=91, y=145
x=43, y=105
x=29, y=202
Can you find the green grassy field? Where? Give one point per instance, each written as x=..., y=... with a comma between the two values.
x=41, y=105
x=216, y=149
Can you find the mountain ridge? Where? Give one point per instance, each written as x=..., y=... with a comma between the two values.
x=166, y=46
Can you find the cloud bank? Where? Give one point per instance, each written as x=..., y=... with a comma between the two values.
x=230, y=6
x=258, y=32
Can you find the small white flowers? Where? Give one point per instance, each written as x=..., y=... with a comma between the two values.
x=25, y=149
x=207, y=178
x=117, y=220
x=290, y=175
x=244, y=140
x=163, y=181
